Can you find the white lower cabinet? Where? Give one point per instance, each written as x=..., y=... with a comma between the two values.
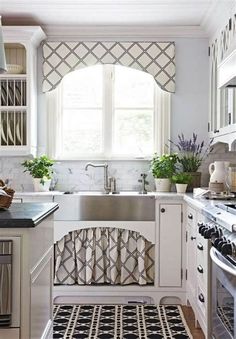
x=170, y=245
x=32, y=281
x=191, y=273
x=198, y=270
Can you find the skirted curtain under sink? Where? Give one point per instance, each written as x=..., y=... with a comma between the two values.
x=104, y=255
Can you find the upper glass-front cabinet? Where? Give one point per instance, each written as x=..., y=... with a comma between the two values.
x=18, y=91
x=222, y=117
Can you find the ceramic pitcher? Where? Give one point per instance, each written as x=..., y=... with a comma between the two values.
x=218, y=171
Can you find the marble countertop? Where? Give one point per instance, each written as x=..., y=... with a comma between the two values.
x=165, y=195
x=26, y=215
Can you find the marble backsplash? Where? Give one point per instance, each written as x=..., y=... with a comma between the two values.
x=71, y=175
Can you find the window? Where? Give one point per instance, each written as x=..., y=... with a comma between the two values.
x=107, y=112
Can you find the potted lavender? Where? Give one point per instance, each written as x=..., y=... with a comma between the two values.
x=191, y=155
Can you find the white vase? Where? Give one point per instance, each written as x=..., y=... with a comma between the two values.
x=39, y=187
x=181, y=188
x=162, y=184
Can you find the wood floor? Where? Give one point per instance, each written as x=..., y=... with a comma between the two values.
x=189, y=316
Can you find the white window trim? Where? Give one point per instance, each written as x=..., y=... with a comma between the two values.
x=161, y=127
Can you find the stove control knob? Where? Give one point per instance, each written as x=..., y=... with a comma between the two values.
x=215, y=234
x=226, y=249
x=209, y=232
x=203, y=229
x=220, y=245
x=216, y=241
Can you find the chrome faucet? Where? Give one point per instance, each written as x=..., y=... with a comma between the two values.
x=107, y=184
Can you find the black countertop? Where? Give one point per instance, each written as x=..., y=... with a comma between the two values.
x=26, y=214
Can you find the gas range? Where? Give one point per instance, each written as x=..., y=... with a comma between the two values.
x=223, y=214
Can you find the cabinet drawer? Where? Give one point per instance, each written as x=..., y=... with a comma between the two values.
x=201, y=301
x=202, y=277
x=191, y=216
x=202, y=251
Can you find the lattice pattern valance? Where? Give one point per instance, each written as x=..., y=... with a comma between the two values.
x=156, y=58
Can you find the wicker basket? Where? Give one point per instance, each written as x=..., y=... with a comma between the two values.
x=5, y=201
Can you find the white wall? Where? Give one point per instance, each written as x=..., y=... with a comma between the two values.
x=190, y=102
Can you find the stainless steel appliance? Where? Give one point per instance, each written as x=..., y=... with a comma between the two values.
x=221, y=230
x=6, y=249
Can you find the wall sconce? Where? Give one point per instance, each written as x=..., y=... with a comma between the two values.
x=3, y=66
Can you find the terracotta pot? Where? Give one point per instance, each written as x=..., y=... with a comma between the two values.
x=196, y=180
x=163, y=184
x=38, y=187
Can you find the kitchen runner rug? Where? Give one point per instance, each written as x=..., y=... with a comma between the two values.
x=119, y=322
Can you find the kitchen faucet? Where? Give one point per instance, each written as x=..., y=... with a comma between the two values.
x=107, y=181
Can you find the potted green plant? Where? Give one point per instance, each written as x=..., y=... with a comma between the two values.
x=41, y=170
x=191, y=155
x=181, y=181
x=163, y=168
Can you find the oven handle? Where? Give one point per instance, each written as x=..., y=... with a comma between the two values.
x=219, y=263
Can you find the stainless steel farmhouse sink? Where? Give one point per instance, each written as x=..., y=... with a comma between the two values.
x=116, y=207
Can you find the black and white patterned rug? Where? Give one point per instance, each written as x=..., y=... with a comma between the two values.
x=119, y=322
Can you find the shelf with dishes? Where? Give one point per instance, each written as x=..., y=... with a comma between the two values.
x=13, y=127
x=13, y=92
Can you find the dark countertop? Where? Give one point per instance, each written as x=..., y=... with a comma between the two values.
x=26, y=214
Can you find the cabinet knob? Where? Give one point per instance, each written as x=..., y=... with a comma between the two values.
x=201, y=298
x=193, y=238
x=200, y=269
x=190, y=216
x=200, y=246
x=163, y=210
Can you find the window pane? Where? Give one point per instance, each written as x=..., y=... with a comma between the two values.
x=83, y=88
x=133, y=88
x=82, y=131
x=133, y=132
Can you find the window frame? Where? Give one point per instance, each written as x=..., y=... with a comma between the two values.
x=161, y=123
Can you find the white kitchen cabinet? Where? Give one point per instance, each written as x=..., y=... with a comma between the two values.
x=222, y=116
x=191, y=231
x=203, y=269
x=18, y=91
x=198, y=270
x=170, y=245
x=32, y=281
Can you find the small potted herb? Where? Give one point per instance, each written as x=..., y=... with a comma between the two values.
x=163, y=168
x=181, y=181
x=41, y=170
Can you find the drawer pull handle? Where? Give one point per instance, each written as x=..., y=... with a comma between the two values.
x=200, y=269
x=201, y=298
x=190, y=216
x=200, y=247
x=193, y=238
x=163, y=210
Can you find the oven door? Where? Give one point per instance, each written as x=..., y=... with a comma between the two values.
x=223, y=297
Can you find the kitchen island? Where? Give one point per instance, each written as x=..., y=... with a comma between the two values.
x=26, y=264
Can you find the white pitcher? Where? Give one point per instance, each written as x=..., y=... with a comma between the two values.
x=219, y=171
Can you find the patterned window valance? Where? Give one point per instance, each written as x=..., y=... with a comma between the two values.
x=156, y=58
